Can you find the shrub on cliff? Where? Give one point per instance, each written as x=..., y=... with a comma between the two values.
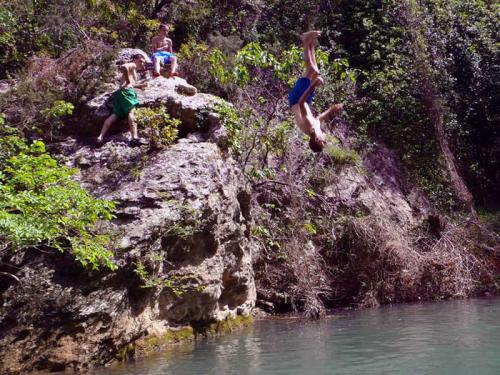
x=41, y=207
x=160, y=128
x=33, y=105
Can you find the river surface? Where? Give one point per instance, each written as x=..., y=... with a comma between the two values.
x=458, y=337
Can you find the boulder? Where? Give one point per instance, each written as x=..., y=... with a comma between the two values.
x=192, y=109
x=181, y=99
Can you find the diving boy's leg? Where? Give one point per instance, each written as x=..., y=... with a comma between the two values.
x=309, y=40
x=303, y=114
x=105, y=127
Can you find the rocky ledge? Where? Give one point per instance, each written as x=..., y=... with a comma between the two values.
x=180, y=99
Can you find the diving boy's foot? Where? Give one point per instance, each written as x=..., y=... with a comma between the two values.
x=156, y=74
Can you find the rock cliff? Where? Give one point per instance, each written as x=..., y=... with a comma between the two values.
x=181, y=238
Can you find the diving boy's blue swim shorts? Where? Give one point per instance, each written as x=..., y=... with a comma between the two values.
x=298, y=89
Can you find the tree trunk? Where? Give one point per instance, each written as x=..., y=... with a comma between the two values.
x=433, y=103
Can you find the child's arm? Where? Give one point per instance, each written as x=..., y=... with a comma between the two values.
x=142, y=84
x=154, y=45
x=168, y=47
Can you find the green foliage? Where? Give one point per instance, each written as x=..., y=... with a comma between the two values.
x=54, y=114
x=43, y=95
x=8, y=51
x=232, y=123
x=456, y=40
x=28, y=27
x=161, y=129
x=311, y=228
x=59, y=108
x=465, y=38
x=41, y=206
x=286, y=67
x=50, y=28
x=217, y=61
x=341, y=156
x=267, y=239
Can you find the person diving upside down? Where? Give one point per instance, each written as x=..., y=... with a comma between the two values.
x=302, y=94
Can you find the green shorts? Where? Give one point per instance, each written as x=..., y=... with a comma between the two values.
x=124, y=101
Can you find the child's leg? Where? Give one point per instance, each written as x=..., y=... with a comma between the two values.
x=105, y=127
x=132, y=126
x=157, y=65
x=173, y=65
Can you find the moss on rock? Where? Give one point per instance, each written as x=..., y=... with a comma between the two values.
x=154, y=343
x=224, y=326
x=126, y=353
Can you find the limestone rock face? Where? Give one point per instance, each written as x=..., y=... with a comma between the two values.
x=383, y=192
x=5, y=86
x=181, y=238
x=187, y=205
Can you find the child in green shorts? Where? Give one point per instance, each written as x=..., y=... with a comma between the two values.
x=125, y=99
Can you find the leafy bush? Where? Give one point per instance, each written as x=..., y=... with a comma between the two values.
x=46, y=28
x=195, y=64
x=232, y=123
x=60, y=108
x=41, y=206
x=161, y=129
x=45, y=90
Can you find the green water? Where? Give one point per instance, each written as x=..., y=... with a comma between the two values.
x=459, y=337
